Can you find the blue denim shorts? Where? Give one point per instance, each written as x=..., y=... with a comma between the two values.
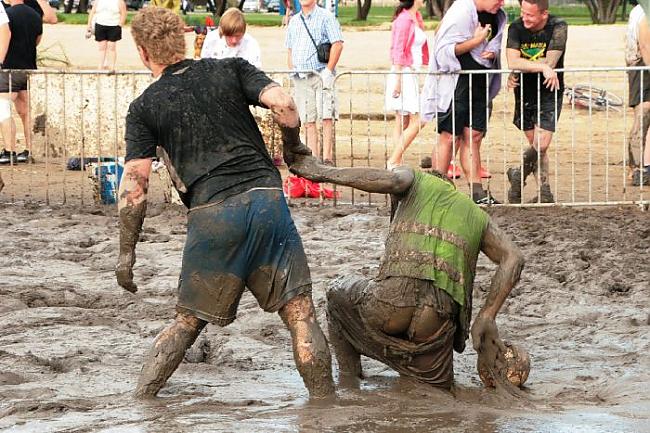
x=248, y=240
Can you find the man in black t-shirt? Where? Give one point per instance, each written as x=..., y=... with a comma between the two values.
x=26, y=29
x=536, y=45
x=240, y=233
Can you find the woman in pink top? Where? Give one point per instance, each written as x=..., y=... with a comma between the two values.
x=408, y=51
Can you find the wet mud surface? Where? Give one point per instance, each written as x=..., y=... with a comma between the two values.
x=72, y=342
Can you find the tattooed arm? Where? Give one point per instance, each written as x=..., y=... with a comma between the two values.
x=485, y=335
x=132, y=207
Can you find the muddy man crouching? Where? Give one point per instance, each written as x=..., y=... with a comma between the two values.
x=240, y=233
x=417, y=310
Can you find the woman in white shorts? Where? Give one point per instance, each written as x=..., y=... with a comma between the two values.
x=408, y=51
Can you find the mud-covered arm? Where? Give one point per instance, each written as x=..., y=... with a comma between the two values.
x=502, y=251
x=285, y=114
x=132, y=206
x=375, y=180
x=485, y=335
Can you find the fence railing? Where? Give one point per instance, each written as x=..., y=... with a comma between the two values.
x=81, y=114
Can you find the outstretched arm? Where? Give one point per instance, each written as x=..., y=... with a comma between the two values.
x=132, y=206
x=485, y=335
x=376, y=180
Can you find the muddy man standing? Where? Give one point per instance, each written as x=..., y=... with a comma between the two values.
x=418, y=309
x=240, y=232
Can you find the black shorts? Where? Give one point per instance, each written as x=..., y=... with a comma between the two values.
x=634, y=82
x=461, y=106
x=248, y=240
x=549, y=113
x=107, y=33
x=16, y=80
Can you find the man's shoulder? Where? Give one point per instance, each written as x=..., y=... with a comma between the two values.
x=556, y=21
x=24, y=13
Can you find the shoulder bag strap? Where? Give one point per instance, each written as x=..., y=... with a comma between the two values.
x=308, y=32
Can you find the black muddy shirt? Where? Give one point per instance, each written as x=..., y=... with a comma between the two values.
x=198, y=112
x=533, y=47
x=31, y=3
x=25, y=26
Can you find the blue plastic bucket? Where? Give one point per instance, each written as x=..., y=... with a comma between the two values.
x=109, y=181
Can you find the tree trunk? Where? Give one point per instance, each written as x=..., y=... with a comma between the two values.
x=363, y=9
x=68, y=6
x=220, y=7
x=602, y=11
x=83, y=7
x=240, y=6
x=438, y=8
x=431, y=9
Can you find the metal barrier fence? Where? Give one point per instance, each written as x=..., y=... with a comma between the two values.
x=81, y=114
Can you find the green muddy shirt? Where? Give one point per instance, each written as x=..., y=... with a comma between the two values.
x=436, y=235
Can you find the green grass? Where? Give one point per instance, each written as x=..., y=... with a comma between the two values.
x=574, y=15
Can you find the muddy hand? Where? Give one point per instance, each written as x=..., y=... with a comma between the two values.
x=124, y=272
x=488, y=345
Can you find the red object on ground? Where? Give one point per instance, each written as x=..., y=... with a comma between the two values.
x=209, y=22
x=297, y=187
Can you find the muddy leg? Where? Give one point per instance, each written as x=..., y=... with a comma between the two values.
x=348, y=358
x=167, y=353
x=310, y=349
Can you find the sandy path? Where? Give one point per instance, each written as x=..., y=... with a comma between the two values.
x=587, y=46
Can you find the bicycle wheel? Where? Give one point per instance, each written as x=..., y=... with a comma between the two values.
x=600, y=98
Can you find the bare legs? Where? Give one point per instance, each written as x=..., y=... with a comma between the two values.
x=107, y=55
x=638, y=133
x=111, y=56
x=167, y=353
x=313, y=142
x=8, y=125
x=406, y=129
x=310, y=349
x=102, y=45
x=22, y=108
x=535, y=160
x=469, y=145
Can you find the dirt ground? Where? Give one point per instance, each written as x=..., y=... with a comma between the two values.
x=72, y=341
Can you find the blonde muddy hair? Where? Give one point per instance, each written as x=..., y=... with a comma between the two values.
x=161, y=33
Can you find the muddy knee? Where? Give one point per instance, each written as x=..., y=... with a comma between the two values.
x=310, y=350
